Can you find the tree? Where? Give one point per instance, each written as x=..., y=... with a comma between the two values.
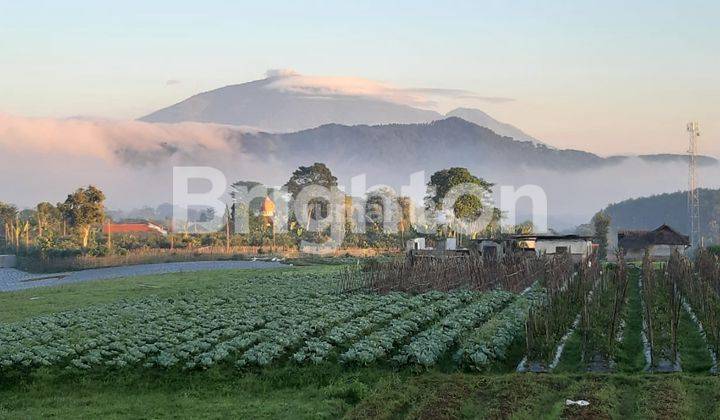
x=466, y=206
x=8, y=216
x=317, y=174
x=207, y=215
x=405, y=222
x=601, y=222
x=46, y=215
x=525, y=228
x=83, y=209
x=64, y=210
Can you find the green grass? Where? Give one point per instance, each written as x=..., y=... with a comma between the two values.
x=630, y=354
x=15, y=306
x=311, y=392
x=533, y=396
x=694, y=354
x=331, y=391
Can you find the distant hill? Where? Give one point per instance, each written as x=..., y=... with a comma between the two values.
x=410, y=147
x=672, y=209
x=482, y=119
x=259, y=104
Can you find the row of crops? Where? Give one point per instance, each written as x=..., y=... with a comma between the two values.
x=676, y=304
x=283, y=318
x=300, y=318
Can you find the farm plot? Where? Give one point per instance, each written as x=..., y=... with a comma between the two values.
x=552, y=322
x=662, y=306
x=602, y=319
x=700, y=300
x=285, y=320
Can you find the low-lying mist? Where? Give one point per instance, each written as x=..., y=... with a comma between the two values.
x=43, y=159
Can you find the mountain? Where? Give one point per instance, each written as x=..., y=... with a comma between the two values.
x=409, y=147
x=575, y=183
x=369, y=135
x=261, y=105
x=406, y=147
x=482, y=119
x=265, y=105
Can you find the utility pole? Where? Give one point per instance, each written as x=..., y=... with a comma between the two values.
x=693, y=130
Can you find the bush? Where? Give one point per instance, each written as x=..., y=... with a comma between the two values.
x=714, y=249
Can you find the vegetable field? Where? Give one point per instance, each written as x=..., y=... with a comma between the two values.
x=292, y=338
x=298, y=319
x=283, y=319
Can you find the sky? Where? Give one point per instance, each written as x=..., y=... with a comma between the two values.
x=607, y=77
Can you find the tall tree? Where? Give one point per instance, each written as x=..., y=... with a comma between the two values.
x=317, y=174
x=466, y=206
x=83, y=209
x=46, y=215
x=601, y=222
x=8, y=216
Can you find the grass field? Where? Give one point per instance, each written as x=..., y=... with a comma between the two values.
x=330, y=389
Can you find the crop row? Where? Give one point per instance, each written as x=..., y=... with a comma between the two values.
x=257, y=323
x=492, y=340
x=428, y=347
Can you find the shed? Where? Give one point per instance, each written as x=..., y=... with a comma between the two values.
x=661, y=242
x=577, y=246
x=417, y=243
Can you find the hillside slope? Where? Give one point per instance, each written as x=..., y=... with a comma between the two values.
x=672, y=209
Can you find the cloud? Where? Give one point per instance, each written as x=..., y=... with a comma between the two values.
x=110, y=140
x=172, y=82
x=459, y=94
x=288, y=80
x=131, y=161
x=274, y=73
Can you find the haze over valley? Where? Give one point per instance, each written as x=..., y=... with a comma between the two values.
x=262, y=130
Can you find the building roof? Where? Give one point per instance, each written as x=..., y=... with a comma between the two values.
x=639, y=239
x=553, y=237
x=144, y=227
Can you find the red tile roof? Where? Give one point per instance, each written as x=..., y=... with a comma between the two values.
x=133, y=228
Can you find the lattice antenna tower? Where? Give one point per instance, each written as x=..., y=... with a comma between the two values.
x=693, y=130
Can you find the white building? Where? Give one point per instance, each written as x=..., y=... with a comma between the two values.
x=577, y=246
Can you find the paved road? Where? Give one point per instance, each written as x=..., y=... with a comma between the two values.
x=11, y=279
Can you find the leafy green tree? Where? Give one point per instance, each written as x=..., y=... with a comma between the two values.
x=524, y=228
x=46, y=215
x=466, y=206
x=8, y=216
x=317, y=174
x=601, y=222
x=83, y=209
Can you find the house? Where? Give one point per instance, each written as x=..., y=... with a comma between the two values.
x=447, y=244
x=488, y=247
x=578, y=246
x=661, y=242
x=415, y=244
x=139, y=227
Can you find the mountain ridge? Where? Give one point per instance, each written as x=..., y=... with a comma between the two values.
x=257, y=104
